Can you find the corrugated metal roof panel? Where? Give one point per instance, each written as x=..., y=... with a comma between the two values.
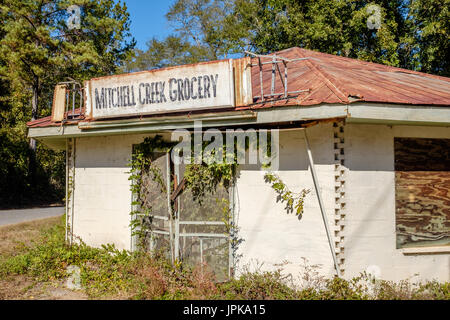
x=333, y=79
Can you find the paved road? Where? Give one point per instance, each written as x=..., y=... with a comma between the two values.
x=23, y=215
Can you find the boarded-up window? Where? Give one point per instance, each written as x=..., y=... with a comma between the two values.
x=422, y=192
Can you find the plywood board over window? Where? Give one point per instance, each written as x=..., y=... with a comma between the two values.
x=422, y=192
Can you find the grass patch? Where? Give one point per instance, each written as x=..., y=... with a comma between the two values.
x=14, y=238
x=35, y=253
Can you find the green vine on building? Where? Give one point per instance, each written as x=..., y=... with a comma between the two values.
x=201, y=180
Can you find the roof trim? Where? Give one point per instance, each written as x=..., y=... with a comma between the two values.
x=353, y=113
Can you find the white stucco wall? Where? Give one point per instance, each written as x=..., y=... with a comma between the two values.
x=273, y=237
x=370, y=238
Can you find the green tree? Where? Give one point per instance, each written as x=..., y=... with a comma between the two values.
x=336, y=27
x=171, y=51
x=428, y=39
x=38, y=49
x=198, y=28
x=412, y=34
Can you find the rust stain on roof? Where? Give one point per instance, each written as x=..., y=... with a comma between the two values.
x=47, y=121
x=334, y=79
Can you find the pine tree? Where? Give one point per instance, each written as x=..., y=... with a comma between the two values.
x=38, y=49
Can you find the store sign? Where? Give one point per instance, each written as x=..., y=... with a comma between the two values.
x=193, y=87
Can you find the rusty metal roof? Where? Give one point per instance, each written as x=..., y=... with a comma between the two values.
x=43, y=122
x=333, y=79
x=47, y=121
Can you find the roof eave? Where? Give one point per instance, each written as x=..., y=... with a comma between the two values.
x=358, y=112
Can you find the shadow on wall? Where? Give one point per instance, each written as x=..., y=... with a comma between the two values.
x=273, y=236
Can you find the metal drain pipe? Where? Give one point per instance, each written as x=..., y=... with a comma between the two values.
x=321, y=205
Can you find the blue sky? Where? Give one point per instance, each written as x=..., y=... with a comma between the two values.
x=147, y=20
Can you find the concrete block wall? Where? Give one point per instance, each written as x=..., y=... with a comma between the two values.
x=370, y=238
x=271, y=236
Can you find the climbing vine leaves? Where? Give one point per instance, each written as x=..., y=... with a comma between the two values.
x=294, y=201
x=142, y=162
x=201, y=180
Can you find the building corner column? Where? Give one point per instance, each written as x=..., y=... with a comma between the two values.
x=339, y=187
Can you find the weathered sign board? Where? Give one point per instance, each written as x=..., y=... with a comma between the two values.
x=191, y=87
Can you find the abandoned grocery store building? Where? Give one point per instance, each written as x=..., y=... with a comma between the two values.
x=370, y=142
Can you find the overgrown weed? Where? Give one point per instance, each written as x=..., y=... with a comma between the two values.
x=110, y=273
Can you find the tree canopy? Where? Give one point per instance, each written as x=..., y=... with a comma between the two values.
x=412, y=34
x=38, y=49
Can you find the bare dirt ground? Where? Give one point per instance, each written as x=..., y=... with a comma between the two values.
x=23, y=288
x=19, y=287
